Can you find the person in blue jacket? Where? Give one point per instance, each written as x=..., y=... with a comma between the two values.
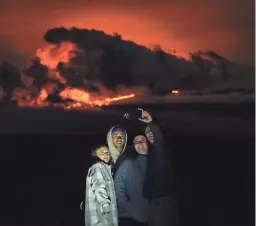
x=133, y=208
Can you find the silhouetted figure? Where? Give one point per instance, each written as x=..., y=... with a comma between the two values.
x=160, y=186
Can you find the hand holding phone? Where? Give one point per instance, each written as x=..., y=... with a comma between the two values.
x=145, y=116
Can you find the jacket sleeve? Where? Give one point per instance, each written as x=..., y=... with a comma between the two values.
x=123, y=202
x=157, y=132
x=99, y=188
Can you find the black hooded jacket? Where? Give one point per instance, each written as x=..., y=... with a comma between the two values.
x=160, y=178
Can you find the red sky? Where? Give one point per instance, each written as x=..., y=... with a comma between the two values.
x=225, y=26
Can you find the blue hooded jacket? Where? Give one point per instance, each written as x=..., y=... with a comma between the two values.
x=129, y=180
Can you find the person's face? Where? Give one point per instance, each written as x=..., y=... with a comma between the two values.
x=118, y=138
x=150, y=136
x=103, y=154
x=140, y=144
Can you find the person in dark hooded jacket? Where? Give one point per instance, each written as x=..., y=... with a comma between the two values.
x=160, y=185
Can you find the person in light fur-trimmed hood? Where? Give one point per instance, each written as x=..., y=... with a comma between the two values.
x=116, y=140
x=100, y=198
x=117, y=143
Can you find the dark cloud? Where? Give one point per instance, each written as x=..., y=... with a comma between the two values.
x=113, y=62
x=10, y=78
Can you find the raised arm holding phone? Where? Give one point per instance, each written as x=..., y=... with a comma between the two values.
x=160, y=186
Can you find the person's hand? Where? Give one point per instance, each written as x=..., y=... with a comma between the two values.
x=81, y=205
x=105, y=215
x=145, y=116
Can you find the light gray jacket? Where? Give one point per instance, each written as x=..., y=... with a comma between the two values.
x=100, y=196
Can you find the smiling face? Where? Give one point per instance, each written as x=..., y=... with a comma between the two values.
x=149, y=135
x=140, y=144
x=103, y=154
x=118, y=138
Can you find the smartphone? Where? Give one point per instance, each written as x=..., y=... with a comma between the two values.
x=136, y=114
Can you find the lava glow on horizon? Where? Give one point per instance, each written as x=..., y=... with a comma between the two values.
x=50, y=56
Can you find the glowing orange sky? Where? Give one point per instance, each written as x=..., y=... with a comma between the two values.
x=225, y=26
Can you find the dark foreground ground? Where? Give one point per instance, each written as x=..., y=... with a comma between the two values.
x=42, y=176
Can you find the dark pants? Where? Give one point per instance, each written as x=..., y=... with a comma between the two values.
x=130, y=222
x=164, y=211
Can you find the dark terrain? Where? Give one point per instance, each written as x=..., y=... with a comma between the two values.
x=44, y=158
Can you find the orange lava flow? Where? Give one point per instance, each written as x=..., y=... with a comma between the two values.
x=70, y=97
x=73, y=98
x=94, y=103
x=175, y=91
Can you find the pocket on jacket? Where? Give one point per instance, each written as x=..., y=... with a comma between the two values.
x=108, y=221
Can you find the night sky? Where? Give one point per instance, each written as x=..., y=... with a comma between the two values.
x=226, y=26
